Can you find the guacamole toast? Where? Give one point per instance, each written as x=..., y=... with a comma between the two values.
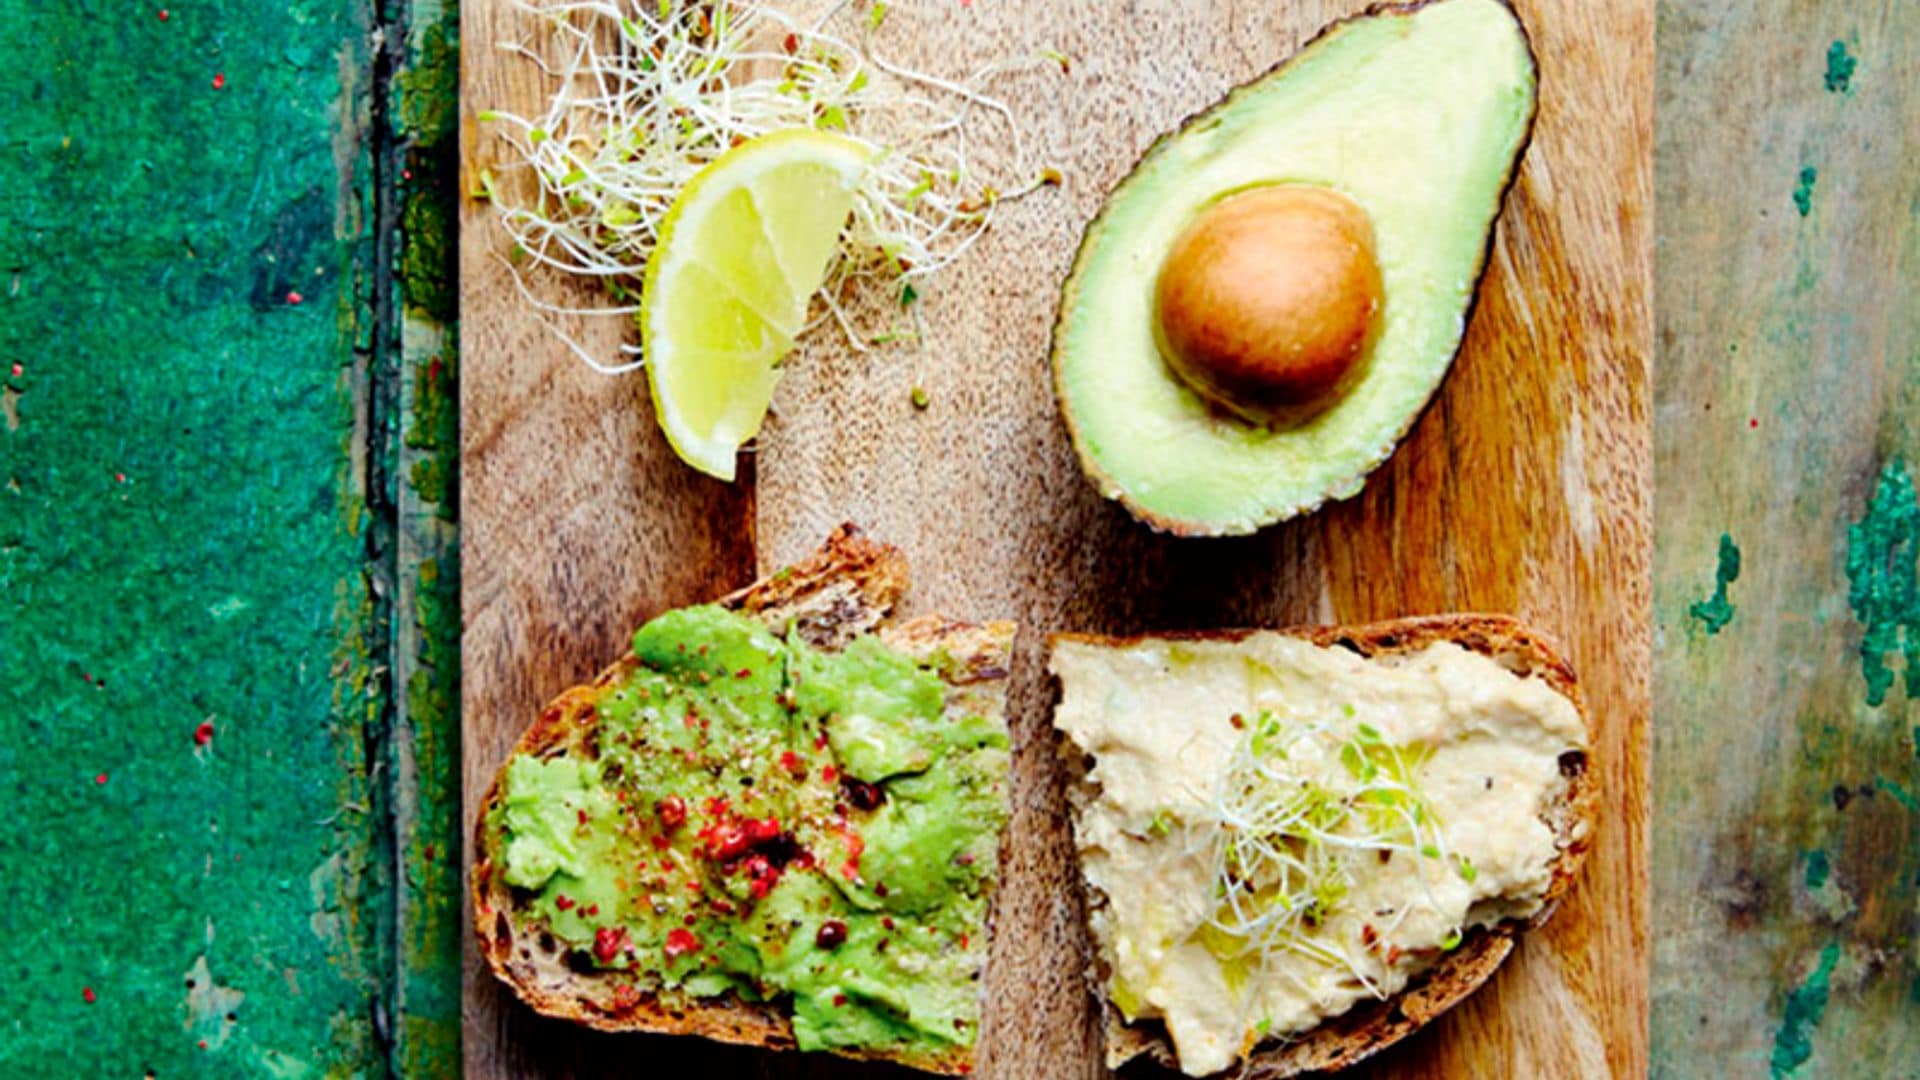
x=785, y=941
x=1094, y=673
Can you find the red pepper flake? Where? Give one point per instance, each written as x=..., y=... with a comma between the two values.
x=609, y=942
x=219, y=80
x=791, y=762
x=715, y=807
x=590, y=909
x=1753, y=422
x=19, y=370
x=164, y=15
x=87, y=992
x=839, y=999
x=743, y=673
x=407, y=174
x=963, y=941
x=829, y=774
x=119, y=478
x=203, y=1044
x=563, y=901
x=694, y=886
x=294, y=298
x=832, y=934
x=659, y=843
x=791, y=44
x=688, y=919
x=203, y=734
x=855, y=845
x=680, y=942
x=101, y=779
x=672, y=811
x=763, y=830
x=581, y=816
x=725, y=841
x=625, y=998
x=820, y=741
x=429, y=852
x=886, y=921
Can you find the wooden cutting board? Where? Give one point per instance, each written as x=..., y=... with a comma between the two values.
x=1524, y=488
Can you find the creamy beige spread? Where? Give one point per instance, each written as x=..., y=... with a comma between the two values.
x=1165, y=722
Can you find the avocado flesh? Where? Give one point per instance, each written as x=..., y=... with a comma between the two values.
x=1419, y=115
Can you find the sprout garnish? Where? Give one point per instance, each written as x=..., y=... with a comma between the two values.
x=1302, y=804
x=645, y=93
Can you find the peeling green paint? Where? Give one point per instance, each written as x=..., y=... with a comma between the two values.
x=1840, y=66
x=1882, y=550
x=1900, y=794
x=1818, y=869
x=1806, y=1004
x=1716, y=611
x=427, y=819
x=435, y=430
x=427, y=110
x=1803, y=190
x=182, y=524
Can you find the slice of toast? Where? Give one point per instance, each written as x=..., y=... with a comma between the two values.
x=1373, y=1025
x=846, y=589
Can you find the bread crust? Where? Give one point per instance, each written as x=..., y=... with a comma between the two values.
x=1373, y=1026
x=845, y=589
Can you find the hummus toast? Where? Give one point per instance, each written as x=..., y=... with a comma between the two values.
x=1301, y=846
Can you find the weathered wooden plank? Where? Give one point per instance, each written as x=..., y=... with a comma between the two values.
x=190, y=713
x=1787, y=840
x=421, y=175
x=1523, y=488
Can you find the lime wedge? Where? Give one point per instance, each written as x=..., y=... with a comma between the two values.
x=740, y=253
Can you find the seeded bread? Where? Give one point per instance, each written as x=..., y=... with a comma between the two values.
x=845, y=589
x=1372, y=1026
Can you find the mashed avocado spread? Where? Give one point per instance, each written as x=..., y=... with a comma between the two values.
x=776, y=821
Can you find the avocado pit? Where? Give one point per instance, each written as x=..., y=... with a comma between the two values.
x=1267, y=301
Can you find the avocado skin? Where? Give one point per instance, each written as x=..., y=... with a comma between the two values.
x=1070, y=290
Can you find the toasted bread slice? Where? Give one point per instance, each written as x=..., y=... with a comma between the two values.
x=1371, y=1026
x=847, y=588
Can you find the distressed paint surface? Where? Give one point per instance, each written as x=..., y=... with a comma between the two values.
x=198, y=880
x=1786, y=860
x=421, y=173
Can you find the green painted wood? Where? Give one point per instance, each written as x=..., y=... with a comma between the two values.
x=1787, y=664
x=228, y=560
x=425, y=111
x=184, y=282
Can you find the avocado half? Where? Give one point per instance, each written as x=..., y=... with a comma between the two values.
x=1418, y=113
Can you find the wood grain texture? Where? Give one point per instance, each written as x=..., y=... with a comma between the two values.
x=1787, y=862
x=1523, y=488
